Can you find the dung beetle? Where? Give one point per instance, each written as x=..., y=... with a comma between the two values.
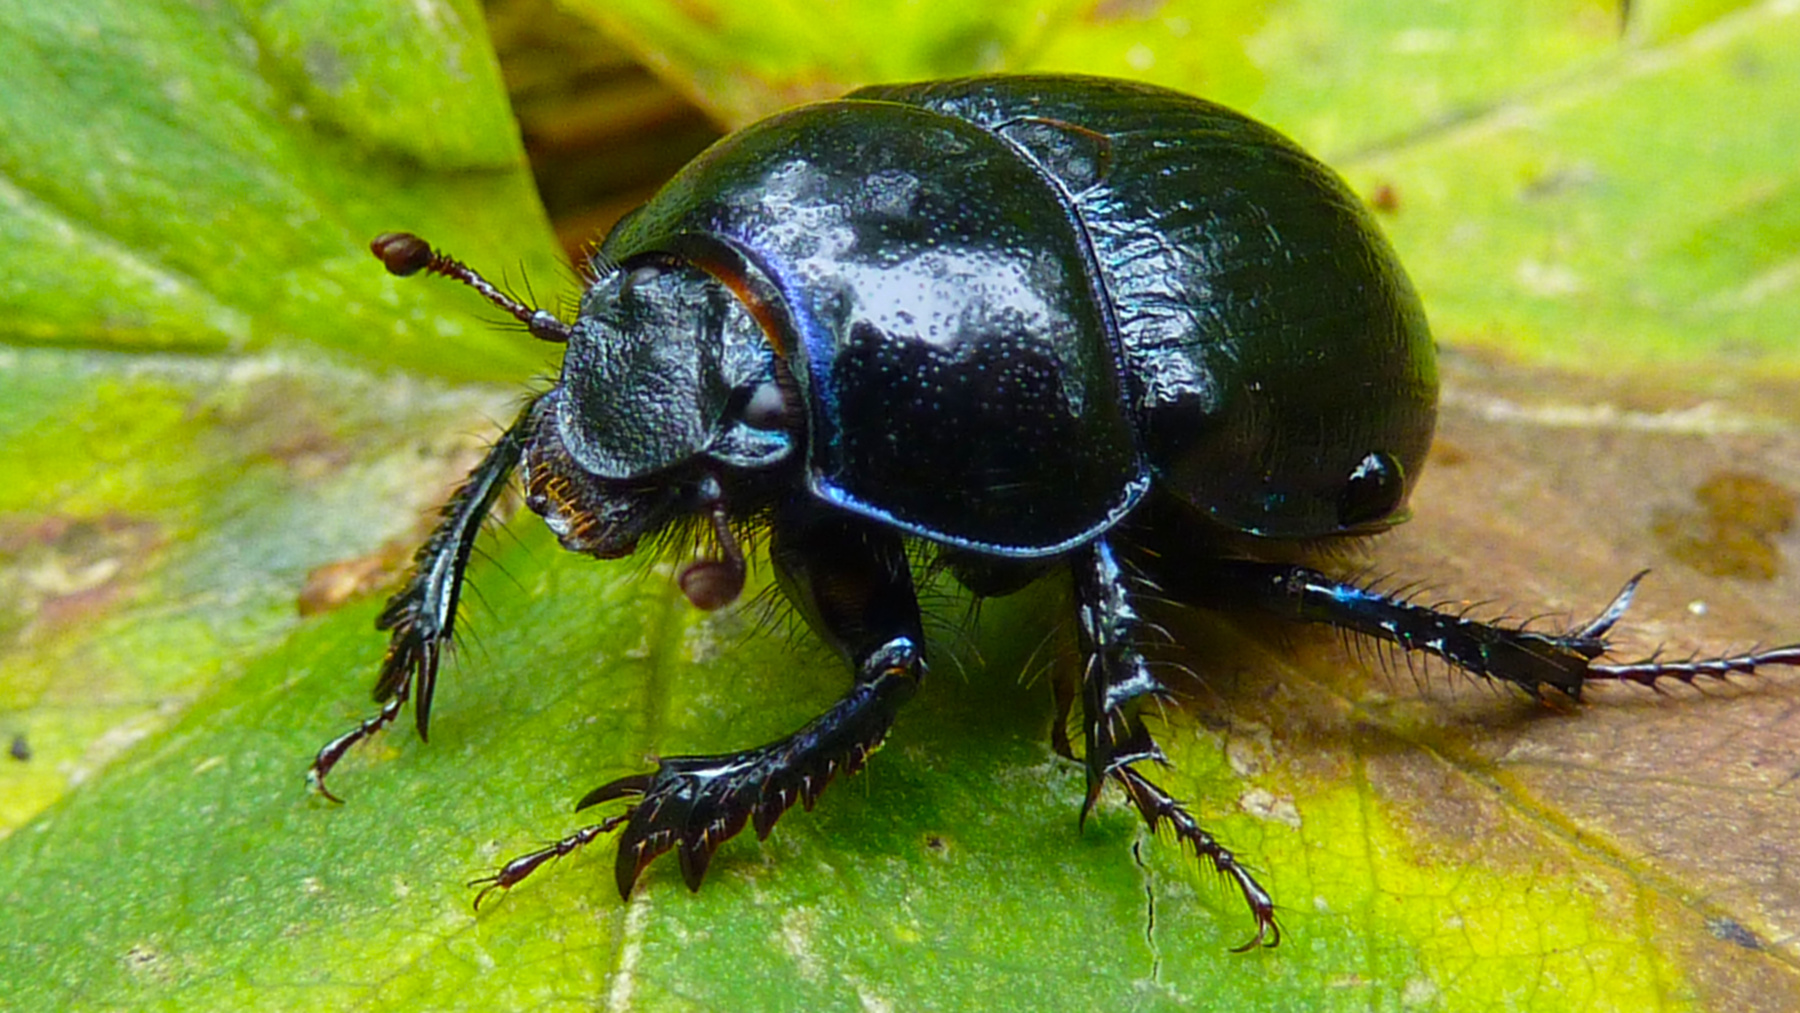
x=1028, y=323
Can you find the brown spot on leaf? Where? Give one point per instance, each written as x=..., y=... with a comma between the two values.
x=62, y=570
x=335, y=583
x=310, y=452
x=1124, y=10
x=1446, y=454
x=1731, y=532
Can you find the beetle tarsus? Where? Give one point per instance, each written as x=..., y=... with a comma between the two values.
x=411, y=655
x=1584, y=640
x=509, y=875
x=333, y=751
x=1651, y=671
x=1158, y=807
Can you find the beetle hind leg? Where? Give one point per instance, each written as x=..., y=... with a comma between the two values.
x=1115, y=687
x=1533, y=660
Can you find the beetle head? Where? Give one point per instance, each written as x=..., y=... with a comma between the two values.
x=669, y=394
x=666, y=370
x=670, y=391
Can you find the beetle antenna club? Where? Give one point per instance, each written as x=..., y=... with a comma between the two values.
x=405, y=254
x=1068, y=325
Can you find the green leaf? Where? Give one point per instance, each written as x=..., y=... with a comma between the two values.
x=1624, y=219
x=206, y=178
x=218, y=413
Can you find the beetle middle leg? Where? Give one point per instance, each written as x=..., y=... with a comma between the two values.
x=852, y=582
x=422, y=615
x=1115, y=686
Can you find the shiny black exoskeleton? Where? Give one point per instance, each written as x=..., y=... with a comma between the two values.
x=1033, y=322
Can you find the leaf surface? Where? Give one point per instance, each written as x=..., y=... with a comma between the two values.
x=218, y=414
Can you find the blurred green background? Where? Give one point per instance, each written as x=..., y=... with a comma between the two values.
x=223, y=429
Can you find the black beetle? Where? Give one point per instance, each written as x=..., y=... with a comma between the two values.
x=1030, y=322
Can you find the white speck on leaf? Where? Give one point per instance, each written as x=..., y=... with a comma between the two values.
x=1419, y=992
x=1266, y=805
x=1549, y=280
x=637, y=916
x=797, y=927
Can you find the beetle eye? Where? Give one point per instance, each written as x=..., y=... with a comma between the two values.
x=638, y=278
x=1374, y=491
x=767, y=407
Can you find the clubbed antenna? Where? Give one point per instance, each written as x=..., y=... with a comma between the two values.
x=404, y=254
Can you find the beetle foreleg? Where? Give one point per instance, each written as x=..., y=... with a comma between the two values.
x=696, y=803
x=422, y=615
x=852, y=582
x=1114, y=687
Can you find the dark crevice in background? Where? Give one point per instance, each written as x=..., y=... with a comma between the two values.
x=602, y=132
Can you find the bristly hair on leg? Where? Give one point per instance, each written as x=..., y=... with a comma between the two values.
x=1042, y=659
x=774, y=614
x=1388, y=657
x=954, y=632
